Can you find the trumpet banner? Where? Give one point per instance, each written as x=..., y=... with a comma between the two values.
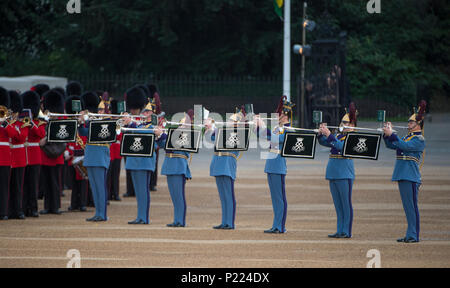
x=183, y=140
x=62, y=131
x=102, y=132
x=137, y=144
x=362, y=145
x=299, y=145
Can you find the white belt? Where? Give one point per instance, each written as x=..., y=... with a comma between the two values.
x=35, y=144
x=17, y=146
x=4, y=144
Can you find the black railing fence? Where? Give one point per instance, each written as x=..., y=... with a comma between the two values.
x=221, y=94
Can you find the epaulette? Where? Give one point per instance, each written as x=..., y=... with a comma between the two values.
x=420, y=137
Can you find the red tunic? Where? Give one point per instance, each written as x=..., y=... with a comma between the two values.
x=36, y=133
x=5, y=151
x=18, y=151
x=115, y=148
x=75, y=148
x=46, y=161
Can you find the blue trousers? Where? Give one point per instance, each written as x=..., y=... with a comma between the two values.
x=141, y=182
x=409, y=193
x=341, y=191
x=97, y=181
x=279, y=203
x=225, y=186
x=176, y=185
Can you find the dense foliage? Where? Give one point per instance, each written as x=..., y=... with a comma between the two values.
x=388, y=54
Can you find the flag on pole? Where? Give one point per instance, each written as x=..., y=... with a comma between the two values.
x=278, y=5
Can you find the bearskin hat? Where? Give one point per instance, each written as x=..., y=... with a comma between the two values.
x=114, y=107
x=53, y=101
x=4, y=97
x=40, y=89
x=16, y=101
x=146, y=90
x=74, y=88
x=153, y=89
x=91, y=101
x=32, y=101
x=68, y=104
x=135, y=98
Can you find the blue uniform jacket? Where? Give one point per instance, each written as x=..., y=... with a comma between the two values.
x=175, y=166
x=275, y=164
x=223, y=165
x=409, y=155
x=338, y=167
x=95, y=155
x=143, y=163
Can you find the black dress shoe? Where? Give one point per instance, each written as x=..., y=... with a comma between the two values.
x=127, y=195
x=34, y=214
x=3, y=217
x=401, y=240
x=56, y=212
x=342, y=235
x=172, y=225
x=219, y=226
x=411, y=240
x=43, y=212
x=83, y=209
x=335, y=235
x=179, y=225
x=153, y=189
x=140, y=221
x=95, y=219
x=227, y=227
x=273, y=231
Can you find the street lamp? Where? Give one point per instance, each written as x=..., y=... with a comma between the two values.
x=304, y=50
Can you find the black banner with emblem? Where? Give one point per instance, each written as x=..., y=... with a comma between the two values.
x=362, y=145
x=299, y=145
x=102, y=131
x=137, y=144
x=62, y=131
x=232, y=139
x=179, y=139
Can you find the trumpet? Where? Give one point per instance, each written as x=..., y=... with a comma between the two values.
x=26, y=122
x=124, y=129
x=184, y=124
x=4, y=113
x=341, y=128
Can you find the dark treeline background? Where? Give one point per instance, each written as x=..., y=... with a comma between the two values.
x=388, y=54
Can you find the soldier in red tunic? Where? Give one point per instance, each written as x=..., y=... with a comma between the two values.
x=115, y=161
x=51, y=164
x=41, y=89
x=7, y=131
x=75, y=150
x=18, y=158
x=31, y=100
